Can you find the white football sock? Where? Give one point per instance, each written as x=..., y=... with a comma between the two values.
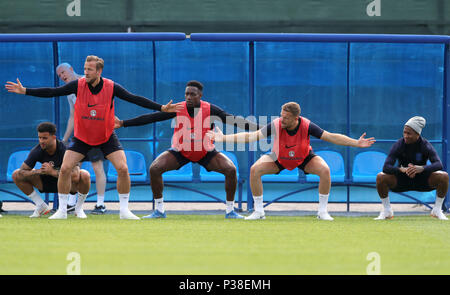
x=258, y=203
x=36, y=198
x=230, y=206
x=438, y=203
x=323, y=202
x=80, y=202
x=63, y=198
x=72, y=200
x=159, y=205
x=100, y=200
x=386, y=204
x=123, y=199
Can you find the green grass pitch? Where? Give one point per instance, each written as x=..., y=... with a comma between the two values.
x=210, y=244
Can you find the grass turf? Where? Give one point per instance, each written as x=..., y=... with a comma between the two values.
x=209, y=244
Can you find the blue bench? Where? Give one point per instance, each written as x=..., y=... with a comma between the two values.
x=15, y=161
x=87, y=165
x=367, y=165
x=137, y=168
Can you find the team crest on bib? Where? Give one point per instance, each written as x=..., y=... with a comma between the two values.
x=291, y=154
x=93, y=113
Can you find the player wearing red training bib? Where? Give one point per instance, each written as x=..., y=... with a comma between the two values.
x=291, y=149
x=94, y=126
x=189, y=134
x=190, y=143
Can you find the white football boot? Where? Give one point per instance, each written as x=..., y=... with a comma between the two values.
x=256, y=215
x=385, y=215
x=43, y=209
x=128, y=215
x=80, y=214
x=59, y=215
x=437, y=213
x=323, y=215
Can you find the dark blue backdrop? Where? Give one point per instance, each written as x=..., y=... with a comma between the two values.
x=348, y=88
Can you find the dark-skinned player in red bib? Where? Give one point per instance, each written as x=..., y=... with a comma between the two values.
x=190, y=144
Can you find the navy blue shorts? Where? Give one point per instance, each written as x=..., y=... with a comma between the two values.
x=182, y=160
x=418, y=183
x=49, y=184
x=106, y=148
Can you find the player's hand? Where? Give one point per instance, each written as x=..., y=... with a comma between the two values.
x=172, y=108
x=215, y=136
x=47, y=168
x=402, y=169
x=365, y=142
x=15, y=87
x=117, y=123
x=413, y=170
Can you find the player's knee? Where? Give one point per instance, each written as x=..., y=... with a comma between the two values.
x=16, y=176
x=155, y=169
x=325, y=172
x=443, y=177
x=75, y=177
x=65, y=170
x=380, y=178
x=122, y=170
x=85, y=176
x=230, y=171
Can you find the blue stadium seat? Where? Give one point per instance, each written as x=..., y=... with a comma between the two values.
x=216, y=176
x=15, y=161
x=88, y=166
x=367, y=165
x=336, y=163
x=283, y=176
x=184, y=174
x=137, y=168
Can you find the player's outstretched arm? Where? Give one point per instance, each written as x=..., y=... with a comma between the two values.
x=242, y=137
x=341, y=139
x=142, y=101
x=144, y=119
x=15, y=87
x=66, y=89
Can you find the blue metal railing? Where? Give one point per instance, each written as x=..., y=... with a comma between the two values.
x=96, y=37
x=294, y=37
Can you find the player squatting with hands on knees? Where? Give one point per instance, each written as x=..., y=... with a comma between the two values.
x=291, y=150
x=93, y=127
x=50, y=152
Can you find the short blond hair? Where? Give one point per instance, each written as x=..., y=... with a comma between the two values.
x=99, y=62
x=292, y=107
